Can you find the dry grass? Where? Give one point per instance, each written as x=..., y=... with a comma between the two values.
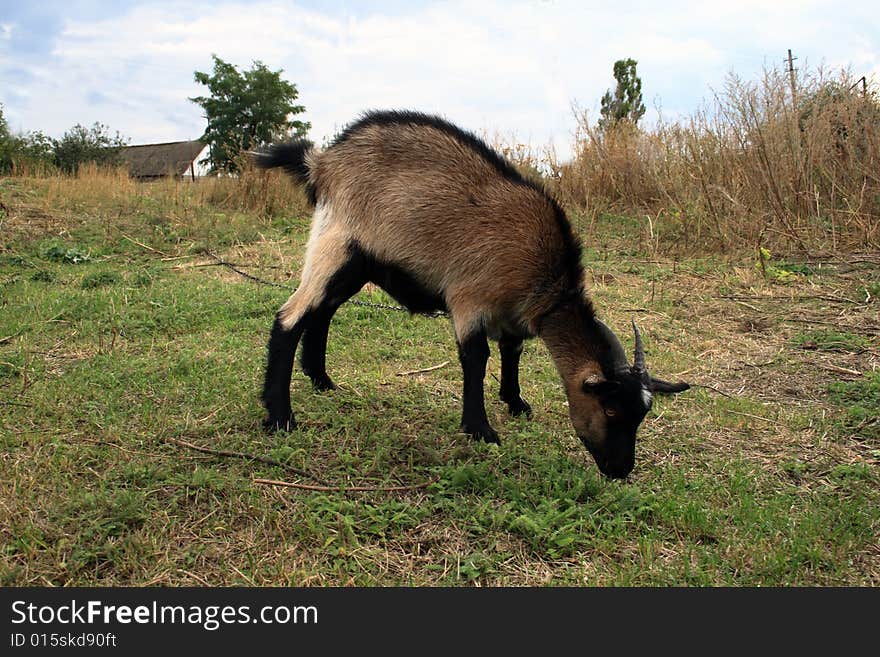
x=101, y=190
x=758, y=166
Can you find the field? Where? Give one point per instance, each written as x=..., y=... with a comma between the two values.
x=124, y=342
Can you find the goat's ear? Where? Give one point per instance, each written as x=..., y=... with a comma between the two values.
x=595, y=386
x=661, y=386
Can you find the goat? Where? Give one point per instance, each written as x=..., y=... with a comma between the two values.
x=441, y=222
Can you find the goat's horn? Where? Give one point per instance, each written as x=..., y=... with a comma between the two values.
x=639, y=356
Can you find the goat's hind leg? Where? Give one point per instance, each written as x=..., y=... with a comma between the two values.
x=326, y=257
x=313, y=353
x=286, y=332
x=511, y=348
x=343, y=285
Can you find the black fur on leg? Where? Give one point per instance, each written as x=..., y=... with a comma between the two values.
x=473, y=353
x=343, y=285
x=279, y=367
x=510, y=348
x=313, y=353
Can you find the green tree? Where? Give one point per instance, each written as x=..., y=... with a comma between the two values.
x=81, y=144
x=246, y=110
x=625, y=104
x=6, y=145
x=4, y=126
x=24, y=152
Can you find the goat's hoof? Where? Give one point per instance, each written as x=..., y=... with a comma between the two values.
x=276, y=424
x=519, y=407
x=483, y=432
x=323, y=383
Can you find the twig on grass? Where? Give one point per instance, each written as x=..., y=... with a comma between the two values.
x=425, y=369
x=248, y=457
x=348, y=489
x=195, y=577
x=142, y=245
x=756, y=417
x=256, y=279
x=837, y=368
x=863, y=330
x=720, y=392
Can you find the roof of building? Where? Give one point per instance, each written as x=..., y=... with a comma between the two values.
x=157, y=160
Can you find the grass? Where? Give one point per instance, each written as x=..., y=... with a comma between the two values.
x=117, y=333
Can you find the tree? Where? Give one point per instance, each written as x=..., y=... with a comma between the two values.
x=246, y=110
x=81, y=144
x=23, y=152
x=6, y=144
x=4, y=126
x=626, y=102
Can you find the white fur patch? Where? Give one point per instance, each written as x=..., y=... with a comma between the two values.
x=646, y=397
x=319, y=226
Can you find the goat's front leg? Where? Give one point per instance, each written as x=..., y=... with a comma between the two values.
x=473, y=352
x=511, y=348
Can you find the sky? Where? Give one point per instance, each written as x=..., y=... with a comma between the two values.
x=509, y=68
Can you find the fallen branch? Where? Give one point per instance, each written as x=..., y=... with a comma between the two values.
x=426, y=369
x=349, y=489
x=231, y=267
x=842, y=370
x=796, y=297
x=863, y=330
x=248, y=457
x=720, y=392
x=142, y=245
x=756, y=417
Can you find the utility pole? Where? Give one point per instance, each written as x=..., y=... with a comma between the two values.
x=864, y=81
x=791, y=75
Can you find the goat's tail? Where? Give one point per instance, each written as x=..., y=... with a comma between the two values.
x=292, y=156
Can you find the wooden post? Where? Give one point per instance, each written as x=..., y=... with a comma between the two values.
x=791, y=76
x=864, y=82
x=192, y=170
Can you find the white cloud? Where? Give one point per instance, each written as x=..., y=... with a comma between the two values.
x=502, y=67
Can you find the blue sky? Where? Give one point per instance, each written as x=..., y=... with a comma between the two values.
x=509, y=68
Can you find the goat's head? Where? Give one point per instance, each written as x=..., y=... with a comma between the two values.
x=607, y=406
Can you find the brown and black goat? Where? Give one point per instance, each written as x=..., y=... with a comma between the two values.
x=441, y=222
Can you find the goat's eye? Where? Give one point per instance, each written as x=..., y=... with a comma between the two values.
x=610, y=412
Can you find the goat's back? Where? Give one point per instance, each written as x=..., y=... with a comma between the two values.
x=416, y=191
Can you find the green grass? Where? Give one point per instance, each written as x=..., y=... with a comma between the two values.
x=832, y=340
x=861, y=399
x=109, y=349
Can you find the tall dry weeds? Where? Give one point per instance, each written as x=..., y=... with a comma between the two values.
x=256, y=192
x=756, y=166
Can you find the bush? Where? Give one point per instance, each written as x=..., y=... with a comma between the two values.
x=80, y=145
x=34, y=153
